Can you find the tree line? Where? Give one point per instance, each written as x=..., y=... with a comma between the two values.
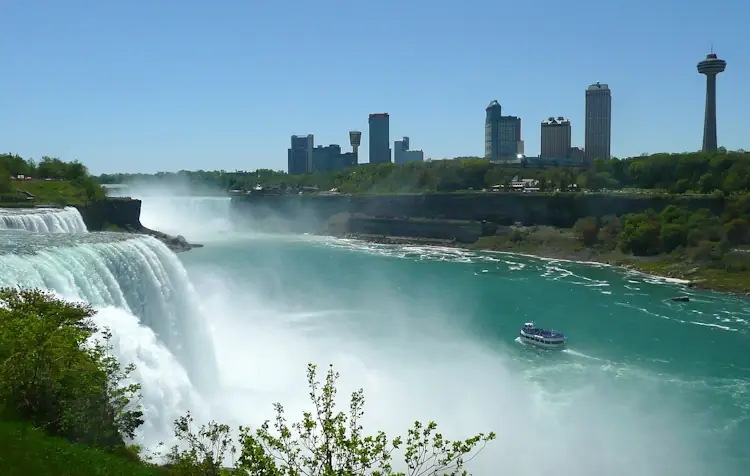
x=696, y=172
x=60, y=381
x=699, y=236
x=13, y=165
x=15, y=170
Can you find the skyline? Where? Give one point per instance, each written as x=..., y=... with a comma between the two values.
x=167, y=88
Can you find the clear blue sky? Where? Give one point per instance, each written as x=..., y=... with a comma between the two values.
x=166, y=85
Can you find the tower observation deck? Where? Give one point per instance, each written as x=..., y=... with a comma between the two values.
x=711, y=66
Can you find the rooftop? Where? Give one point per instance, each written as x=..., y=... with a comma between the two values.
x=598, y=86
x=553, y=121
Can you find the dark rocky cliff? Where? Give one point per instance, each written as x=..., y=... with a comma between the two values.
x=461, y=231
x=310, y=211
x=120, y=213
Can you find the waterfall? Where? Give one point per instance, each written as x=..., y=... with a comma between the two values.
x=143, y=294
x=43, y=220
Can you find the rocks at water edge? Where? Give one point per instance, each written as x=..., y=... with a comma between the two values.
x=680, y=299
x=177, y=244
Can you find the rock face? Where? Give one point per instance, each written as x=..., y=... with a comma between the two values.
x=458, y=217
x=501, y=208
x=125, y=214
x=461, y=231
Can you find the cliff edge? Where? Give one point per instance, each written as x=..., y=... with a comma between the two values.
x=124, y=213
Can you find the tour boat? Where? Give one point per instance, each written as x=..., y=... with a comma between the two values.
x=533, y=335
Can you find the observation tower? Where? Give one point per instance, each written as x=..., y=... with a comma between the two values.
x=711, y=66
x=355, y=138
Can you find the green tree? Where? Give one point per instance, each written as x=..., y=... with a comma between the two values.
x=16, y=165
x=673, y=214
x=6, y=184
x=641, y=234
x=55, y=375
x=677, y=173
x=75, y=171
x=325, y=442
x=50, y=167
x=672, y=236
x=206, y=451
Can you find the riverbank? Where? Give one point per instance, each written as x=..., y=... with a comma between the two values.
x=563, y=244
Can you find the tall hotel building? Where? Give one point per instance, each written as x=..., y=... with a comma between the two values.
x=502, y=135
x=380, y=141
x=300, y=155
x=598, y=122
x=556, y=138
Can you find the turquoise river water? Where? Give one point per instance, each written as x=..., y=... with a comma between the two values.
x=647, y=387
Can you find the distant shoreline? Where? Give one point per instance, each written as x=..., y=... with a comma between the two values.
x=647, y=265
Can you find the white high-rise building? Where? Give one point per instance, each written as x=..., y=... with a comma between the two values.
x=598, y=122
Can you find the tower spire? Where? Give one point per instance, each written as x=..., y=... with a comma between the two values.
x=711, y=67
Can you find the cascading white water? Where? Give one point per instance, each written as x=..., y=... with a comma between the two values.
x=142, y=292
x=43, y=220
x=196, y=218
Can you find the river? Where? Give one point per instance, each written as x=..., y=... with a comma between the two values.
x=647, y=387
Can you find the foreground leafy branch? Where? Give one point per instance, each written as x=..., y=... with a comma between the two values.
x=325, y=442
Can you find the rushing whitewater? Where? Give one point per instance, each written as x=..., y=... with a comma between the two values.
x=43, y=220
x=195, y=218
x=143, y=293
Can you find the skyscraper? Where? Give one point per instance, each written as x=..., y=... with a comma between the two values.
x=491, y=130
x=598, y=122
x=556, y=138
x=502, y=134
x=380, y=141
x=711, y=67
x=509, y=132
x=300, y=155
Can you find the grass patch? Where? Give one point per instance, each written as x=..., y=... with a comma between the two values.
x=541, y=240
x=25, y=451
x=57, y=192
x=50, y=192
x=9, y=204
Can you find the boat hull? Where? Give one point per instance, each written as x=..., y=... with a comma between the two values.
x=559, y=345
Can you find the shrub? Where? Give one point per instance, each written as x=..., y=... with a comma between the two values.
x=325, y=442
x=56, y=377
